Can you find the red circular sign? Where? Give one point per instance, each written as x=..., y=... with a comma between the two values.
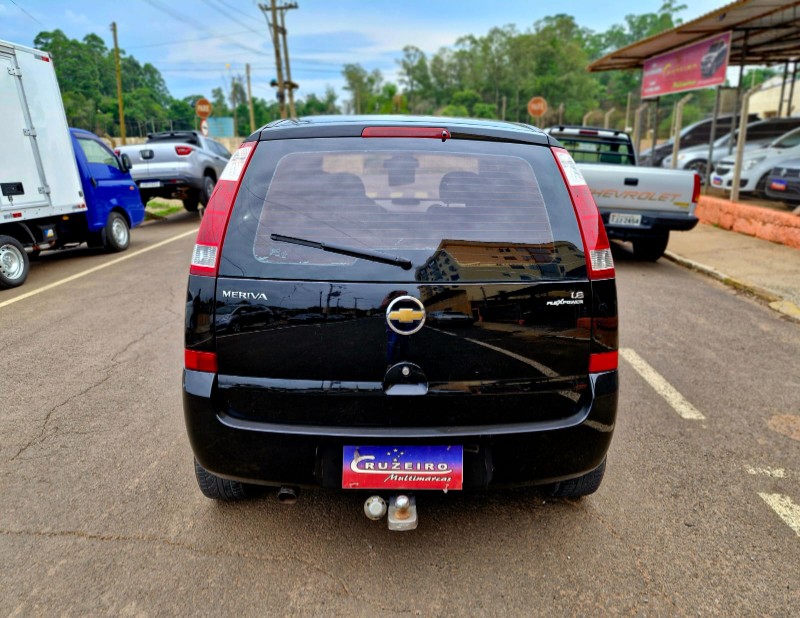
x=537, y=107
x=202, y=108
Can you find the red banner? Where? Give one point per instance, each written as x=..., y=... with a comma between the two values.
x=698, y=65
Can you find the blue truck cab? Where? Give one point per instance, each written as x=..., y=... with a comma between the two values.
x=101, y=213
x=106, y=181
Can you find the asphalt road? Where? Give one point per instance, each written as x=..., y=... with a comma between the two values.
x=100, y=514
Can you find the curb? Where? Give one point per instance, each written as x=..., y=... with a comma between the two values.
x=773, y=301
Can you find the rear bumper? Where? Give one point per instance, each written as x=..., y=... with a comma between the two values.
x=502, y=455
x=651, y=225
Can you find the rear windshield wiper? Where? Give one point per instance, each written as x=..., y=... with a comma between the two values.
x=366, y=254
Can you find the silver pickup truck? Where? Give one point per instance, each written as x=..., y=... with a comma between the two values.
x=638, y=204
x=180, y=165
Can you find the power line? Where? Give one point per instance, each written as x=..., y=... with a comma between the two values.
x=194, y=40
x=26, y=13
x=231, y=17
x=181, y=17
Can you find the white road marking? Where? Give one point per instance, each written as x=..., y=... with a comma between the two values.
x=127, y=256
x=661, y=386
x=787, y=510
x=538, y=366
x=775, y=473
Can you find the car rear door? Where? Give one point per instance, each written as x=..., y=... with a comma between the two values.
x=490, y=232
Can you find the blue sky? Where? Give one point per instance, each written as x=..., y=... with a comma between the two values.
x=193, y=42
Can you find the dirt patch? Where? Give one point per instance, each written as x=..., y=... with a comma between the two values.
x=787, y=424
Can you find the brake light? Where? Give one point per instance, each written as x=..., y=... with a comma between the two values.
x=424, y=132
x=116, y=151
x=200, y=361
x=205, y=258
x=182, y=151
x=595, y=241
x=697, y=185
x=605, y=361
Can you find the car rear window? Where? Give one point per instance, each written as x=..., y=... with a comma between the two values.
x=477, y=211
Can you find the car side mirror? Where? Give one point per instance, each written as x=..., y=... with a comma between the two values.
x=126, y=162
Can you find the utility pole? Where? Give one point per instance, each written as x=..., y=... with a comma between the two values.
x=273, y=26
x=119, y=84
x=250, y=99
x=289, y=83
x=276, y=29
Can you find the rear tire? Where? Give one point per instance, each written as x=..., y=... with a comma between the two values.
x=651, y=248
x=579, y=487
x=217, y=488
x=14, y=263
x=192, y=201
x=207, y=190
x=117, y=234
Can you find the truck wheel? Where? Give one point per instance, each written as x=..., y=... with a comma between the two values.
x=579, y=487
x=217, y=488
x=14, y=264
x=207, y=190
x=192, y=201
x=650, y=249
x=117, y=233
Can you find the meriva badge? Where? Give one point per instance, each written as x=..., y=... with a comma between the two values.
x=405, y=315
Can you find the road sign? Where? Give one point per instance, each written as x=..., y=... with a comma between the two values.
x=202, y=108
x=204, y=127
x=537, y=107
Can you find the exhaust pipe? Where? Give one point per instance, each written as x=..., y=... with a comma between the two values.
x=288, y=495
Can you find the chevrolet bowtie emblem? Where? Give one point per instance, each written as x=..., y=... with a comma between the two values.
x=405, y=315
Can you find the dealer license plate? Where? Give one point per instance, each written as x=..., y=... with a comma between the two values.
x=403, y=467
x=777, y=184
x=616, y=218
x=150, y=184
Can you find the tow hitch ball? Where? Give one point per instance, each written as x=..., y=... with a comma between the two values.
x=402, y=511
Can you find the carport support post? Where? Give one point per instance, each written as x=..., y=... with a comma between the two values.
x=783, y=88
x=655, y=124
x=676, y=146
x=737, y=166
x=713, y=138
x=791, y=90
x=739, y=87
x=637, y=128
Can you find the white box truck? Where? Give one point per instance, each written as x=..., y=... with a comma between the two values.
x=58, y=186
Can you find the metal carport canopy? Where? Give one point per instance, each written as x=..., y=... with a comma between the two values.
x=762, y=32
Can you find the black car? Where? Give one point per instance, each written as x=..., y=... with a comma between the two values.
x=713, y=59
x=385, y=219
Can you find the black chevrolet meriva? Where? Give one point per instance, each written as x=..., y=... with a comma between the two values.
x=341, y=234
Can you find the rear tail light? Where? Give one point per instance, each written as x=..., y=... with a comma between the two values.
x=183, y=150
x=605, y=361
x=697, y=185
x=116, y=151
x=205, y=257
x=593, y=232
x=200, y=361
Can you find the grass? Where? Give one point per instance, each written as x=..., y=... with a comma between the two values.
x=160, y=209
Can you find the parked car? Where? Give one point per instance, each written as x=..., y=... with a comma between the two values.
x=180, y=165
x=403, y=212
x=713, y=59
x=759, y=134
x=450, y=318
x=693, y=135
x=234, y=319
x=784, y=181
x=638, y=204
x=757, y=165
x=59, y=187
